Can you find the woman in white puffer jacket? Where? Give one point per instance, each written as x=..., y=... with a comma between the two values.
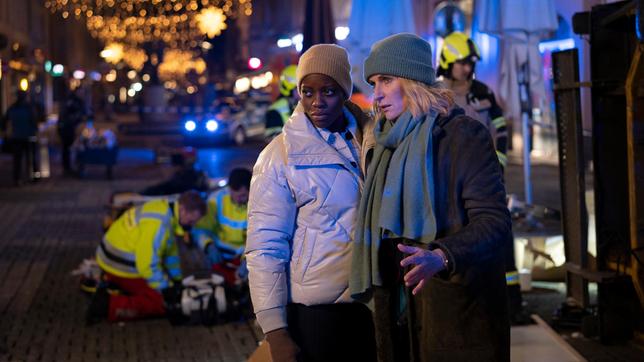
x=301, y=214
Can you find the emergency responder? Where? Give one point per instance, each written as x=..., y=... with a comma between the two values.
x=458, y=58
x=140, y=256
x=457, y=63
x=279, y=112
x=221, y=233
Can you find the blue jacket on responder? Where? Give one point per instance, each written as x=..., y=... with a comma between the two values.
x=141, y=244
x=224, y=225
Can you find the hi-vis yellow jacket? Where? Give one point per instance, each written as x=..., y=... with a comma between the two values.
x=141, y=244
x=225, y=225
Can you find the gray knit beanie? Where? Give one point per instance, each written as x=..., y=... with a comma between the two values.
x=402, y=55
x=328, y=59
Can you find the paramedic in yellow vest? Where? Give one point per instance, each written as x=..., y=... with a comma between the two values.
x=457, y=63
x=221, y=233
x=280, y=111
x=458, y=58
x=139, y=254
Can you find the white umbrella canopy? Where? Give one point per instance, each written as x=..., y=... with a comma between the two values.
x=520, y=24
x=370, y=21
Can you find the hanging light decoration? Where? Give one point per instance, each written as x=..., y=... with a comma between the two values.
x=133, y=57
x=178, y=23
x=113, y=53
x=211, y=21
x=177, y=63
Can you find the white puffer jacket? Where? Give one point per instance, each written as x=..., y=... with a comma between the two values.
x=304, y=198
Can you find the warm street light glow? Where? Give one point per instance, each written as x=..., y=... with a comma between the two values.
x=177, y=63
x=211, y=21
x=241, y=85
x=113, y=53
x=24, y=84
x=111, y=76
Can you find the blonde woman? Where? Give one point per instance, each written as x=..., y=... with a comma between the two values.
x=432, y=220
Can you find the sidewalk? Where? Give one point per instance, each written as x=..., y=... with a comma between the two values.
x=47, y=229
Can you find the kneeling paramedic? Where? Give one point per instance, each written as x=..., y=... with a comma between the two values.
x=139, y=255
x=221, y=234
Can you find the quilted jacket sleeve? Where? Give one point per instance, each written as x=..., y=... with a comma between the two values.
x=271, y=223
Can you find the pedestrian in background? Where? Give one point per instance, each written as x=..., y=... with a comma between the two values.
x=303, y=201
x=72, y=114
x=20, y=125
x=432, y=220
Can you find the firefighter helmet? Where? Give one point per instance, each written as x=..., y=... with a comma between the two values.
x=288, y=80
x=457, y=47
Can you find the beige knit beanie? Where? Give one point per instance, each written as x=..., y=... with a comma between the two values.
x=328, y=59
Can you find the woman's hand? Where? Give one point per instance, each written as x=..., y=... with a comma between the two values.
x=282, y=346
x=425, y=264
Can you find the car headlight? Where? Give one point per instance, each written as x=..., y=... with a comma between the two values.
x=212, y=125
x=190, y=126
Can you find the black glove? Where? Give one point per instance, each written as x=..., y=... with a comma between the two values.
x=172, y=300
x=282, y=346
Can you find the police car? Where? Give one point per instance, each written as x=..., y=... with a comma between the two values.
x=228, y=124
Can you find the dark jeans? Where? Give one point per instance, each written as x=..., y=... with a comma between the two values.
x=66, y=140
x=395, y=307
x=332, y=332
x=24, y=153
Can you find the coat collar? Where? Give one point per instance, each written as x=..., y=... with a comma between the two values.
x=304, y=144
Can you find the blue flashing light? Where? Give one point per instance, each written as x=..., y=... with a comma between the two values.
x=212, y=125
x=190, y=126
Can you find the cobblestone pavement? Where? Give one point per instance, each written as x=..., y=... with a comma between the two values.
x=46, y=230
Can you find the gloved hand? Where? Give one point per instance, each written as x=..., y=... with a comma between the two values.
x=282, y=346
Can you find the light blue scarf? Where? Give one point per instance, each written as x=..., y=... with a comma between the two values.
x=397, y=197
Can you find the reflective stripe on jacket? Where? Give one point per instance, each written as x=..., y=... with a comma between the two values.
x=282, y=107
x=141, y=244
x=227, y=221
